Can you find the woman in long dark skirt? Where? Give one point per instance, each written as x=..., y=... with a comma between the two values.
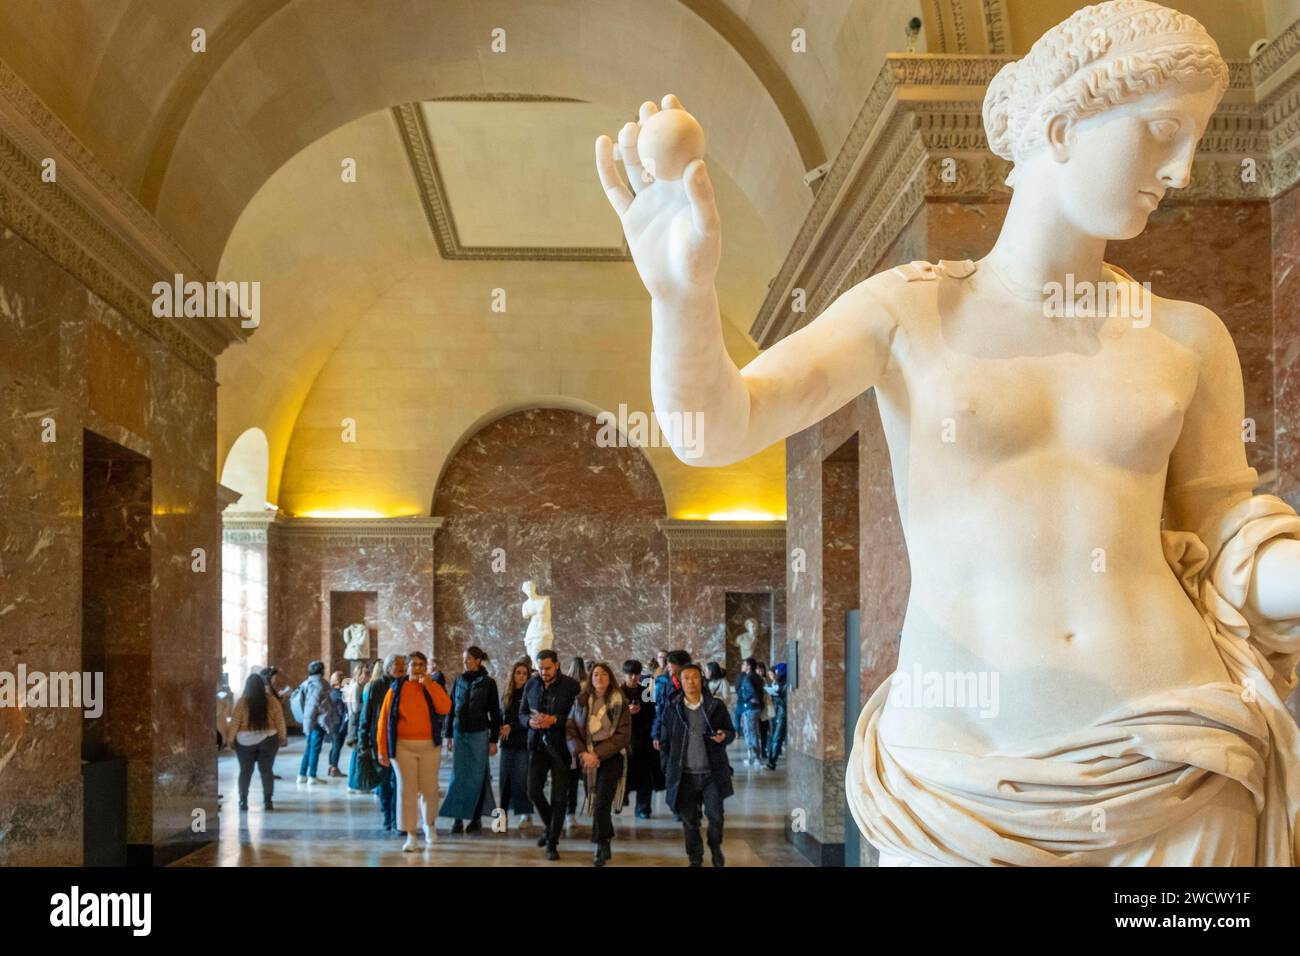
x=473, y=728
x=513, y=768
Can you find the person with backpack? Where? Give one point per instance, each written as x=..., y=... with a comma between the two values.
x=312, y=707
x=693, y=740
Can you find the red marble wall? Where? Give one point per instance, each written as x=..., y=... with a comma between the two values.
x=1286, y=341
x=305, y=567
x=56, y=339
x=699, y=581
x=532, y=496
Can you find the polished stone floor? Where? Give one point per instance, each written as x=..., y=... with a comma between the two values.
x=324, y=825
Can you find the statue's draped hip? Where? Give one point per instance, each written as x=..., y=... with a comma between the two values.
x=1207, y=775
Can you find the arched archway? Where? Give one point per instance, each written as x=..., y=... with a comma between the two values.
x=246, y=470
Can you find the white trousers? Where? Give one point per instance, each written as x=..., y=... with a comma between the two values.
x=417, y=783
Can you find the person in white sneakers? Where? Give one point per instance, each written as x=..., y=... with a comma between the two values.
x=513, y=752
x=410, y=738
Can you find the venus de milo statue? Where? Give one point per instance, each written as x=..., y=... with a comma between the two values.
x=1141, y=667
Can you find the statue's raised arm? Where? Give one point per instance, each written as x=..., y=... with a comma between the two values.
x=674, y=232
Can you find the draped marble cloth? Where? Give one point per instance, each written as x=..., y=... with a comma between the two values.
x=1139, y=772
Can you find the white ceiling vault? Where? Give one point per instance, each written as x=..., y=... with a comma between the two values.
x=236, y=152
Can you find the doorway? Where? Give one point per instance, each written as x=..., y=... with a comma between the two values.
x=117, y=642
x=742, y=606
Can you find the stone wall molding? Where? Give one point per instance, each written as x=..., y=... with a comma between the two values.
x=90, y=225
x=723, y=535
x=246, y=527
x=356, y=532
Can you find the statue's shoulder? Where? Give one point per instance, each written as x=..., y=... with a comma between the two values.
x=920, y=270
x=899, y=284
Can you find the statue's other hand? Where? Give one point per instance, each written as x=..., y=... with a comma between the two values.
x=672, y=226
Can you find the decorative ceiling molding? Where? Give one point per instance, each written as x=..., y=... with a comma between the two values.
x=91, y=226
x=355, y=532
x=967, y=26
x=418, y=145
x=920, y=136
x=723, y=535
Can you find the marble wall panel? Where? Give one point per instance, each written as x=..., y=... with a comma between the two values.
x=1286, y=342
x=305, y=568
x=534, y=496
x=57, y=339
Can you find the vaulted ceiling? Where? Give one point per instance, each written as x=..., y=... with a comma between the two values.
x=376, y=293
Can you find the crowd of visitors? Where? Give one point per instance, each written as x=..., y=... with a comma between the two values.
x=608, y=739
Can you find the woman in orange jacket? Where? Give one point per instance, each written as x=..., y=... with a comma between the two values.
x=409, y=737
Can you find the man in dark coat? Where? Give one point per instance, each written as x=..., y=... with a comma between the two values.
x=693, y=736
x=544, y=713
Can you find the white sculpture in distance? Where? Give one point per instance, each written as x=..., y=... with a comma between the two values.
x=537, y=612
x=747, y=638
x=1141, y=672
x=356, y=642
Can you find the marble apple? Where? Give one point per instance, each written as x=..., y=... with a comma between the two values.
x=1141, y=670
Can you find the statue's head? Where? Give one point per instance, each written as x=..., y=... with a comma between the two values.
x=1105, y=111
x=528, y=588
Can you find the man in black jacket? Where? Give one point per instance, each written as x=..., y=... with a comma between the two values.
x=694, y=734
x=543, y=712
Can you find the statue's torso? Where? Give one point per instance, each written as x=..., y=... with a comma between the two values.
x=1029, y=459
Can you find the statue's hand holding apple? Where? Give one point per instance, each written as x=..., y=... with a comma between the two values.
x=669, y=214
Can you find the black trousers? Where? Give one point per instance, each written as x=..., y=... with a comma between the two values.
x=608, y=774
x=699, y=792
x=263, y=755
x=541, y=763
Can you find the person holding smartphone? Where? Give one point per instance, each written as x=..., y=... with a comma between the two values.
x=544, y=713
x=410, y=736
x=694, y=734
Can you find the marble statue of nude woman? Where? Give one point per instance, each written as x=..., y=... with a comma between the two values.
x=1141, y=669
